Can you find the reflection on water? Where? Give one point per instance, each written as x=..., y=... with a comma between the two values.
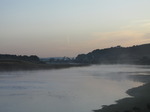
x=66, y=90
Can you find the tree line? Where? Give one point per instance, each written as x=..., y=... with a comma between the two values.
x=32, y=58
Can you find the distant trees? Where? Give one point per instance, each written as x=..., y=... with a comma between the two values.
x=129, y=55
x=32, y=58
x=61, y=60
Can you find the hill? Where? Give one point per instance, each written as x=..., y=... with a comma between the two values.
x=139, y=54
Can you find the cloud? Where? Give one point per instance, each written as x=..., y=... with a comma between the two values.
x=122, y=37
x=147, y=36
x=136, y=32
x=143, y=25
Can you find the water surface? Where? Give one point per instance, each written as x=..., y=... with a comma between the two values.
x=78, y=89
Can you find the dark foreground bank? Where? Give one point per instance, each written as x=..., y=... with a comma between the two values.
x=138, y=102
x=12, y=65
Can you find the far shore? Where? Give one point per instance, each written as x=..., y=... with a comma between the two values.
x=139, y=100
x=15, y=65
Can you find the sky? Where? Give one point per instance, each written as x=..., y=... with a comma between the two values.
x=57, y=28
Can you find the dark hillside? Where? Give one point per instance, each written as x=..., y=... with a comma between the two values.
x=130, y=55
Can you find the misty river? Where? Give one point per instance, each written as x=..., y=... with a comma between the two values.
x=76, y=89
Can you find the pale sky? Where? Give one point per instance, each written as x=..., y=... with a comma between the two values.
x=57, y=28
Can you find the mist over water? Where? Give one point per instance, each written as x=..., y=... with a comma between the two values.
x=78, y=89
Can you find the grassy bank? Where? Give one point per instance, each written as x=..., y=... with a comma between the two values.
x=12, y=65
x=138, y=102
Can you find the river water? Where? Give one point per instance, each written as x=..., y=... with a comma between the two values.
x=77, y=89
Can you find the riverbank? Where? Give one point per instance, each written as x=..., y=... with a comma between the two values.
x=13, y=65
x=139, y=100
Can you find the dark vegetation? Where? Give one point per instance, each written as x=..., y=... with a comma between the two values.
x=14, y=62
x=117, y=55
x=58, y=60
x=32, y=58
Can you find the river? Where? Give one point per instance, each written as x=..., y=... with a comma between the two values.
x=76, y=89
